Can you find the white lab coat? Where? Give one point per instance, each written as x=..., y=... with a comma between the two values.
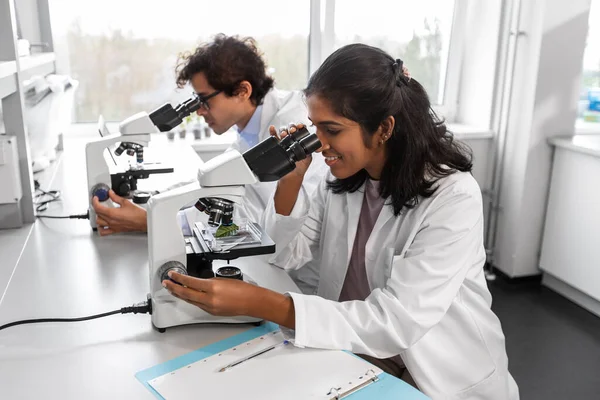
x=429, y=300
x=280, y=108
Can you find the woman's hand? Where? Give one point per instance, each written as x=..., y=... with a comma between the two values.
x=289, y=186
x=302, y=165
x=217, y=296
x=232, y=297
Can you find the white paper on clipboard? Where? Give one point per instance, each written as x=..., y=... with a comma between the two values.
x=286, y=372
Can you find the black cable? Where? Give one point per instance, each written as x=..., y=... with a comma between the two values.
x=139, y=308
x=75, y=216
x=42, y=205
x=54, y=195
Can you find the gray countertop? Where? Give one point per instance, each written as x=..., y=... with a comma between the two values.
x=66, y=270
x=586, y=144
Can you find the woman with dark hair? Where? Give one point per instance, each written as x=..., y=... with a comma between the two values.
x=395, y=231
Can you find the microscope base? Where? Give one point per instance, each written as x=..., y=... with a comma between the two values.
x=169, y=312
x=169, y=315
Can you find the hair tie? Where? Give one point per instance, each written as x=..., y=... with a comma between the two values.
x=398, y=65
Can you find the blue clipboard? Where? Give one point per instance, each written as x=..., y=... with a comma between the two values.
x=387, y=387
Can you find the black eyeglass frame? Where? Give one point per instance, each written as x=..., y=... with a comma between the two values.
x=204, y=99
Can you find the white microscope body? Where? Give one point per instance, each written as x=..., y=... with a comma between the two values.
x=99, y=159
x=222, y=177
x=134, y=130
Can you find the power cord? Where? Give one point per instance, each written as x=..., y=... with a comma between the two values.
x=47, y=197
x=51, y=196
x=75, y=216
x=144, y=307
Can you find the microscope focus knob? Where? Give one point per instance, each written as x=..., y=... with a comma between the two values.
x=100, y=190
x=175, y=266
x=124, y=189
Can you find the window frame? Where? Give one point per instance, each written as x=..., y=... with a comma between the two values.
x=321, y=42
x=322, y=38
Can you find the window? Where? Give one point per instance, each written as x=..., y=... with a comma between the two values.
x=589, y=99
x=418, y=32
x=123, y=52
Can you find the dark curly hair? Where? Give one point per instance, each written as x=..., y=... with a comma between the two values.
x=366, y=85
x=226, y=62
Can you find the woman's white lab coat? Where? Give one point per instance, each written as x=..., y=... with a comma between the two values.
x=429, y=300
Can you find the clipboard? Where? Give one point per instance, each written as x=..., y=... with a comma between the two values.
x=180, y=378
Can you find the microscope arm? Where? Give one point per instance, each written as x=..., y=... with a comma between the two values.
x=165, y=239
x=138, y=124
x=223, y=177
x=98, y=170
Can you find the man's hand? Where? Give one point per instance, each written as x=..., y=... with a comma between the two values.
x=128, y=217
x=232, y=297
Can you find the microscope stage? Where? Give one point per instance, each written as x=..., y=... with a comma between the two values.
x=251, y=240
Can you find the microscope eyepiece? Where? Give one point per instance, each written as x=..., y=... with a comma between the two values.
x=166, y=117
x=189, y=106
x=304, y=146
x=310, y=144
x=271, y=159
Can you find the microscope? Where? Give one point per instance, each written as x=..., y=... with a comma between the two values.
x=104, y=172
x=220, y=186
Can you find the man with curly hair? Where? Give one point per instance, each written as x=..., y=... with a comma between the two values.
x=230, y=76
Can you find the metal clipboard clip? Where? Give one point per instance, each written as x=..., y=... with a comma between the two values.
x=337, y=395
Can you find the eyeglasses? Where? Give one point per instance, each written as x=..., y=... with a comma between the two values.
x=204, y=99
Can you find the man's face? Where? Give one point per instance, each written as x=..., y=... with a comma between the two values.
x=223, y=111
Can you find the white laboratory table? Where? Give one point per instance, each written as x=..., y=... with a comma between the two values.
x=570, y=257
x=66, y=270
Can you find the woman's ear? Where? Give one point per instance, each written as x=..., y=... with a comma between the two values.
x=386, y=129
x=244, y=90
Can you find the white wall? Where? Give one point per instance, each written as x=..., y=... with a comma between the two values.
x=482, y=170
x=28, y=20
x=544, y=104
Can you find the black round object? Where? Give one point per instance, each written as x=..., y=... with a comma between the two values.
x=300, y=133
x=218, y=209
x=230, y=272
x=119, y=150
x=214, y=218
x=124, y=189
x=139, y=154
x=203, y=205
x=174, y=266
x=141, y=198
x=227, y=218
x=310, y=143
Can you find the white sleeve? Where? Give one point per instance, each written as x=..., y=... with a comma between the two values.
x=297, y=236
x=423, y=284
x=315, y=175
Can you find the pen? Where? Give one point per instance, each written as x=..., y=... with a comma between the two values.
x=258, y=353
